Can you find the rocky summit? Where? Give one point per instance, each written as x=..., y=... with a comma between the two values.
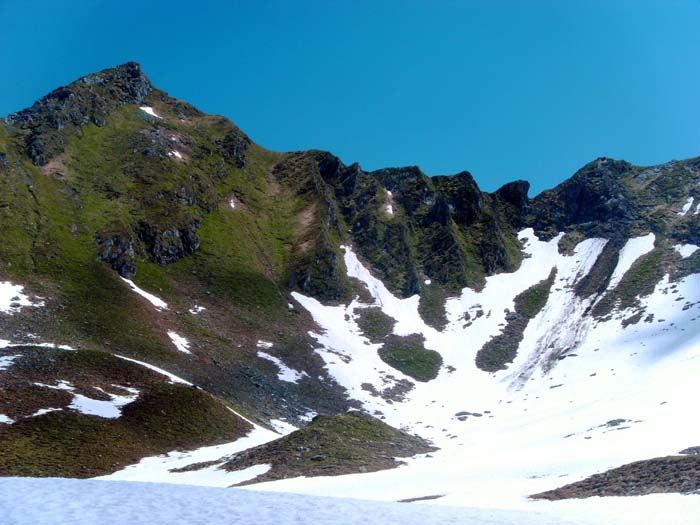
x=168, y=286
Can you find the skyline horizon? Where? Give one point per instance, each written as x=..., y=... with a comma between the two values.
x=505, y=91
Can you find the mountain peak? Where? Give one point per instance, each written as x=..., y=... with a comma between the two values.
x=126, y=79
x=50, y=120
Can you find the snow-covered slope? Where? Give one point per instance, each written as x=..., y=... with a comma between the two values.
x=584, y=394
x=78, y=502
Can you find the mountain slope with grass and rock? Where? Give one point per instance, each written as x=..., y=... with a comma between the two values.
x=179, y=304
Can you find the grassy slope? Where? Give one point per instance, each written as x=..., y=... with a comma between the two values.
x=335, y=445
x=68, y=443
x=104, y=183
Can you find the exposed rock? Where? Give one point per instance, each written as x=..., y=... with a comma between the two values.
x=166, y=246
x=680, y=474
x=118, y=251
x=49, y=123
x=595, y=199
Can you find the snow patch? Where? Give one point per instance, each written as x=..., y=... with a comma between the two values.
x=264, y=344
x=43, y=411
x=285, y=373
x=427, y=282
x=108, y=409
x=175, y=153
x=686, y=250
x=282, y=427
x=196, y=310
x=232, y=203
x=95, y=407
x=632, y=250
x=4, y=420
x=686, y=207
x=7, y=360
x=182, y=344
x=173, y=378
x=4, y=343
x=13, y=299
x=155, y=301
x=149, y=110
x=160, y=468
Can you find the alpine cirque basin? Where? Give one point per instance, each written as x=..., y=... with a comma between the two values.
x=167, y=285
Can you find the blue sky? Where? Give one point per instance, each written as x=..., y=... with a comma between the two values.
x=504, y=89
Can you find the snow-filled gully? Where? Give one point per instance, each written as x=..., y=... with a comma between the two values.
x=542, y=422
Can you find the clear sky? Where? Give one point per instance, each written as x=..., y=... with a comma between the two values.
x=504, y=89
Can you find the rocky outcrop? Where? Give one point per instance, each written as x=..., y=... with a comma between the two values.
x=595, y=200
x=118, y=252
x=49, y=123
x=680, y=474
x=167, y=245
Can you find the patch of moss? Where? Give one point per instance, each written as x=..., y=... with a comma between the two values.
x=530, y=302
x=502, y=349
x=409, y=355
x=374, y=323
x=431, y=306
x=639, y=281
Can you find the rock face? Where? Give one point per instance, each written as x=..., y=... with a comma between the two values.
x=118, y=252
x=407, y=225
x=594, y=197
x=49, y=123
x=168, y=246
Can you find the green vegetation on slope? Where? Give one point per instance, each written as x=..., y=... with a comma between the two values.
x=408, y=355
x=679, y=474
x=67, y=443
x=502, y=349
x=374, y=323
x=332, y=445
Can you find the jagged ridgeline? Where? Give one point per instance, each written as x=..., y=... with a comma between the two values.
x=144, y=182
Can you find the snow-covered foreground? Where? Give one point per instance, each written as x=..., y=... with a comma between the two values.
x=25, y=501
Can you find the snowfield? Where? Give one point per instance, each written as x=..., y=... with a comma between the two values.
x=86, y=502
x=75, y=502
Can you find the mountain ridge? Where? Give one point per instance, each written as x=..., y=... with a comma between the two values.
x=140, y=227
